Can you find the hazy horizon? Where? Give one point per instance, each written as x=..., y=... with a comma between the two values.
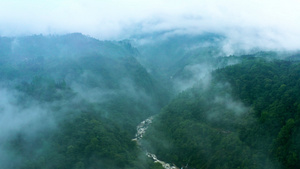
x=252, y=24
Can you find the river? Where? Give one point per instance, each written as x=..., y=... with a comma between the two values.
x=141, y=130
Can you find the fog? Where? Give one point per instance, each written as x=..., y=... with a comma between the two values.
x=200, y=73
x=15, y=119
x=251, y=24
x=180, y=43
x=26, y=123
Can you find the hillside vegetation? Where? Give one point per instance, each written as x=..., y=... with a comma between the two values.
x=248, y=117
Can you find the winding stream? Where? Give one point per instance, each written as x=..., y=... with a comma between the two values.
x=141, y=130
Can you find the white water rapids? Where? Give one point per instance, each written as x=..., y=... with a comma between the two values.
x=141, y=130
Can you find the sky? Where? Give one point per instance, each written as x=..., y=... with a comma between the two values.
x=269, y=23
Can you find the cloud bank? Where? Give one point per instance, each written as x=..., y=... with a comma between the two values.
x=248, y=24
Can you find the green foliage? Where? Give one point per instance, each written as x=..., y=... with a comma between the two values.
x=200, y=131
x=91, y=142
x=210, y=128
x=96, y=92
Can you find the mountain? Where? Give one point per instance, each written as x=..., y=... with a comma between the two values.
x=72, y=101
x=81, y=98
x=164, y=56
x=87, y=65
x=181, y=60
x=247, y=117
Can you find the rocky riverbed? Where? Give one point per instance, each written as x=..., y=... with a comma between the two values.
x=141, y=130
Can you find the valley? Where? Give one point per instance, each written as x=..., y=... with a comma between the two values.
x=73, y=101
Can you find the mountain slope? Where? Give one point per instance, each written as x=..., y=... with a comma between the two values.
x=247, y=117
x=74, y=102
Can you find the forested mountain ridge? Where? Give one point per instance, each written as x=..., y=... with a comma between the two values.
x=73, y=102
x=45, y=54
x=73, y=60
x=248, y=117
x=159, y=84
x=166, y=57
x=181, y=60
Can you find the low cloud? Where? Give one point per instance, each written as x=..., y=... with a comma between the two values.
x=199, y=73
x=248, y=24
x=27, y=122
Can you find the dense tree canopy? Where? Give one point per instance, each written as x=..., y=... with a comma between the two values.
x=247, y=118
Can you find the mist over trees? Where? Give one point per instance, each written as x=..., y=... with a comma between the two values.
x=73, y=101
x=246, y=118
x=139, y=84
x=69, y=101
